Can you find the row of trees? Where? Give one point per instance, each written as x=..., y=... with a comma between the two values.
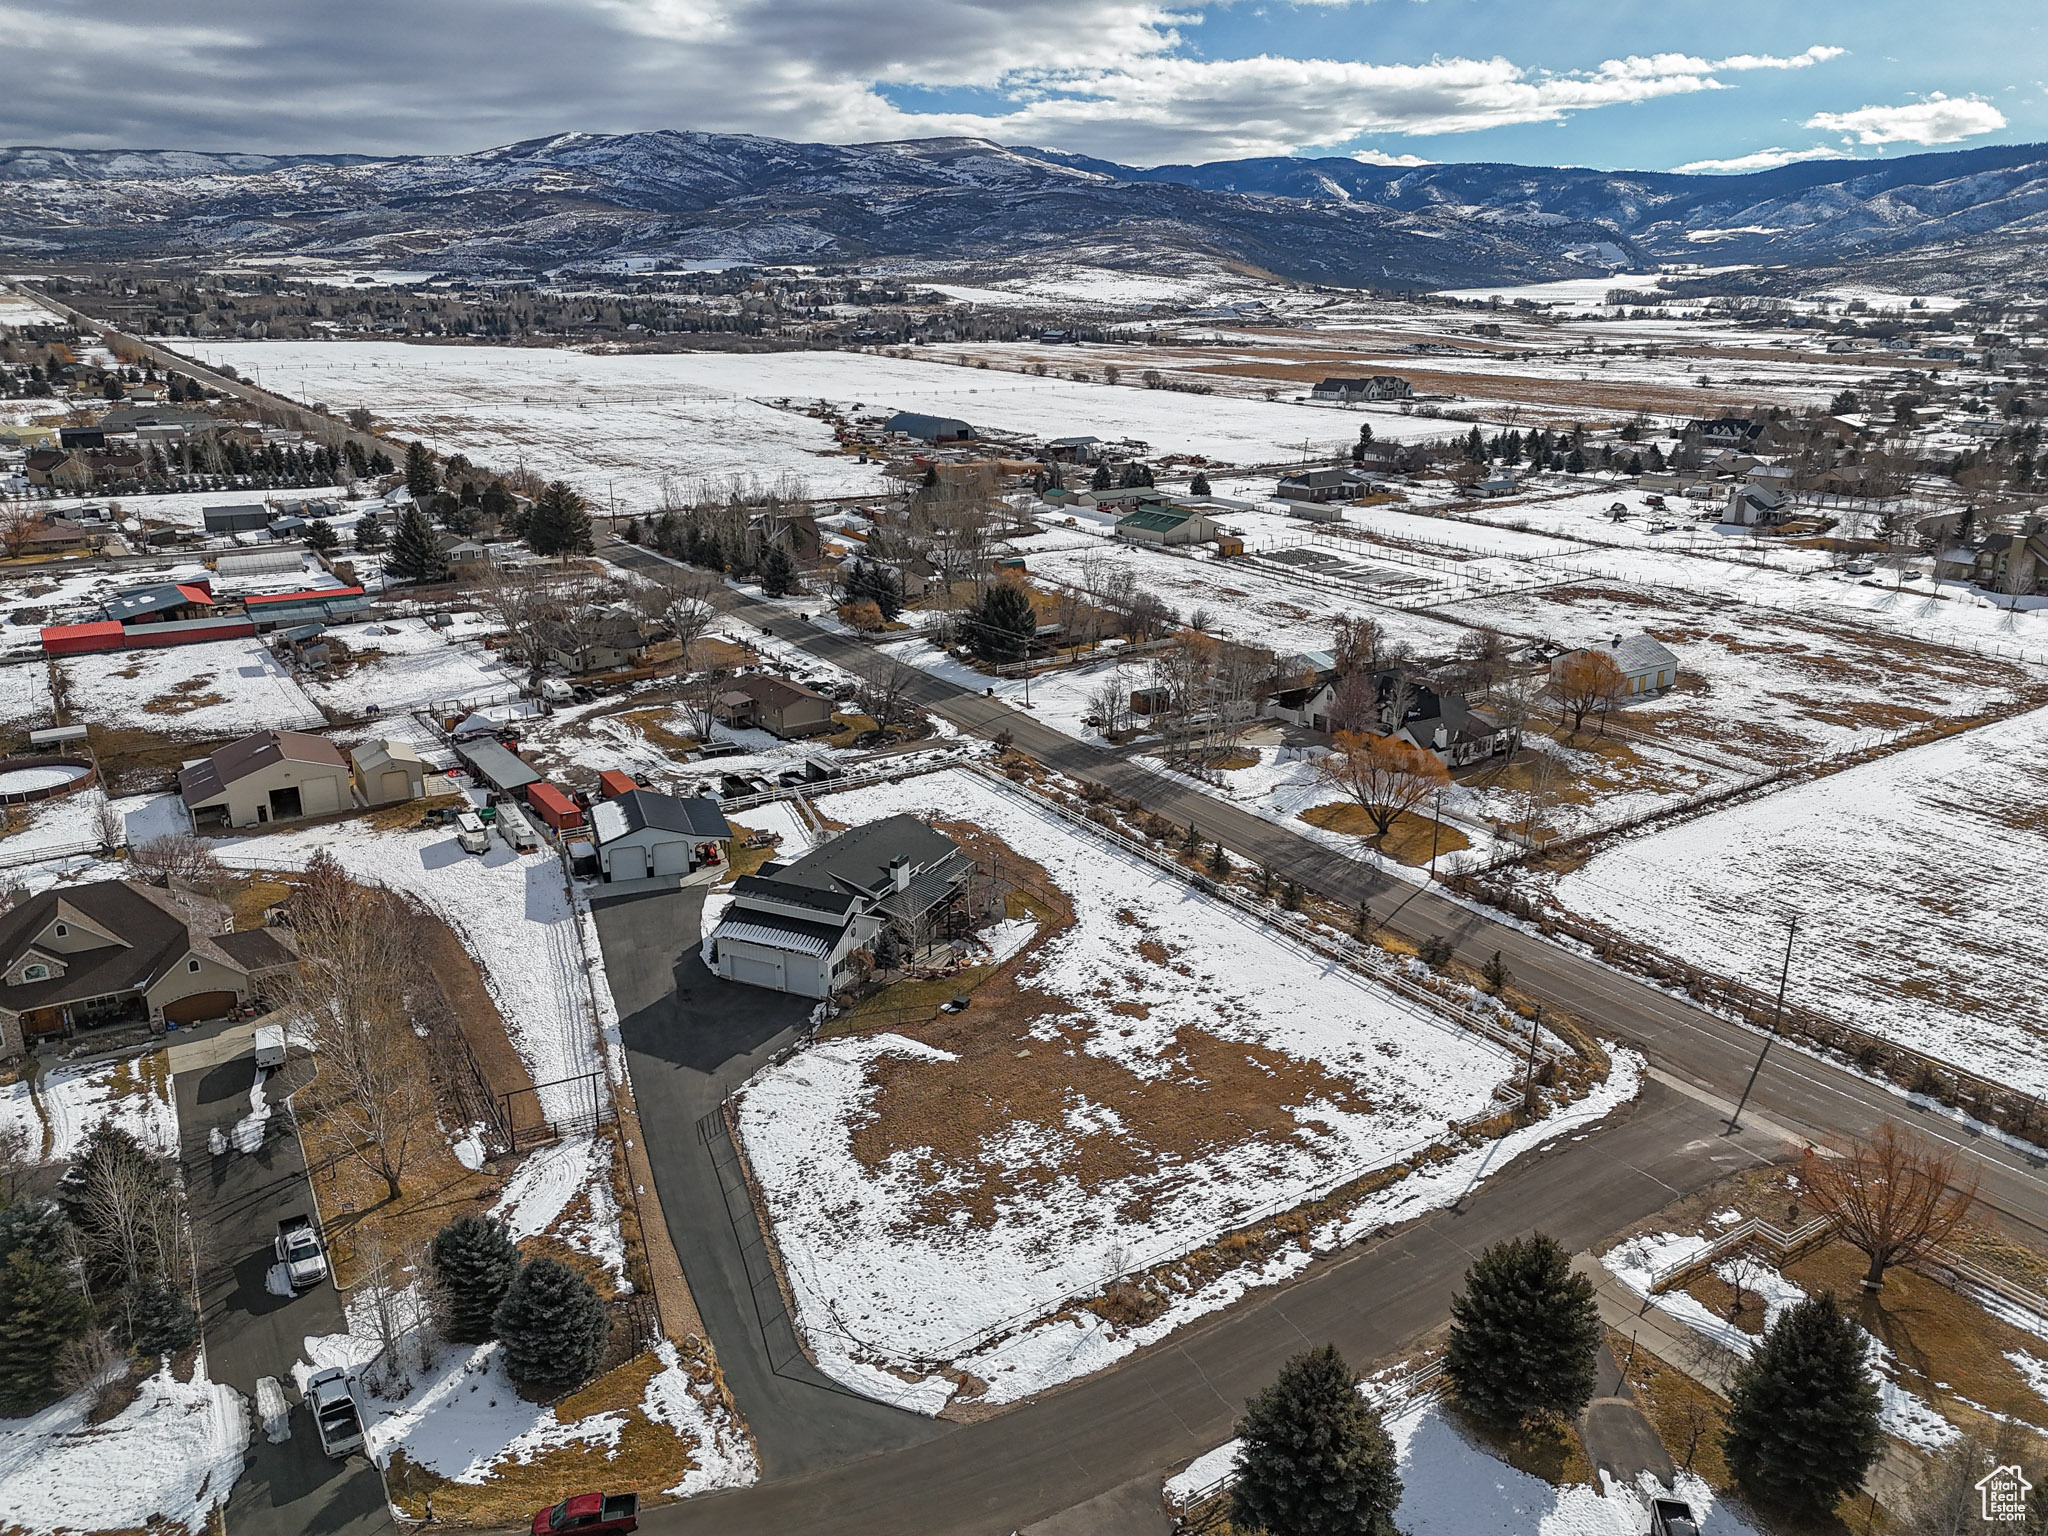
x=550, y=1320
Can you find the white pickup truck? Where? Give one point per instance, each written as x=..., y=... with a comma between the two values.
x=298, y=1250
x=334, y=1412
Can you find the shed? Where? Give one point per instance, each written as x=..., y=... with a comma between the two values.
x=496, y=766
x=554, y=807
x=611, y=784
x=387, y=772
x=242, y=517
x=80, y=639
x=642, y=834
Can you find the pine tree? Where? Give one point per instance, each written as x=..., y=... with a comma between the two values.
x=161, y=1319
x=1803, y=1411
x=1315, y=1460
x=415, y=555
x=1575, y=462
x=1001, y=625
x=1475, y=446
x=553, y=1327
x=1199, y=486
x=36, y=1225
x=370, y=532
x=420, y=476
x=1523, y=1334
x=559, y=523
x=474, y=1265
x=39, y=1314
x=320, y=535
x=778, y=572
x=1219, y=862
x=1099, y=481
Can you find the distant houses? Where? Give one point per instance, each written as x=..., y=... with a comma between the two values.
x=1363, y=391
x=929, y=429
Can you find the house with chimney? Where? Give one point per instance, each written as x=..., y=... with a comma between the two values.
x=797, y=927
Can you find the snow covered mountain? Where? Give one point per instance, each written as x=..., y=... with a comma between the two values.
x=579, y=198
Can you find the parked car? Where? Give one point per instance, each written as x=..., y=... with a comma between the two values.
x=297, y=1246
x=590, y=1514
x=335, y=1415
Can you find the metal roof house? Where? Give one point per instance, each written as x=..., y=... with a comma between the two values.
x=1167, y=525
x=794, y=928
x=270, y=776
x=1646, y=664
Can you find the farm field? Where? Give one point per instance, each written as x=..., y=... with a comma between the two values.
x=1153, y=1074
x=1916, y=878
x=214, y=688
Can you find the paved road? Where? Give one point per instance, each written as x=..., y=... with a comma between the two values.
x=237, y=1200
x=1813, y=1097
x=691, y=1038
x=1180, y=1398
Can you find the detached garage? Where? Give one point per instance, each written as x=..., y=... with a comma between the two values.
x=642, y=835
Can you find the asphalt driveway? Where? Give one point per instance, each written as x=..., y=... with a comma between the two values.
x=691, y=1038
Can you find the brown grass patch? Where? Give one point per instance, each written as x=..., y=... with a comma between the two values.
x=745, y=861
x=183, y=696
x=409, y=815
x=652, y=723
x=1688, y=1417
x=1409, y=839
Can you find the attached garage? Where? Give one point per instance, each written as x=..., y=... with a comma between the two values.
x=626, y=863
x=758, y=970
x=200, y=1007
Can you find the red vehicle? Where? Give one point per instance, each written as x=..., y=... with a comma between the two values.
x=590, y=1514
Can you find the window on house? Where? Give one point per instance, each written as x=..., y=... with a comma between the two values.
x=192, y=966
x=35, y=973
x=62, y=930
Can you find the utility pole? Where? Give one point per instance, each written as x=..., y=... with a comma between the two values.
x=1529, y=1081
x=1435, y=826
x=1777, y=1013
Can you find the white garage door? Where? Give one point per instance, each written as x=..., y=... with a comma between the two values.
x=757, y=972
x=629, y=864
x=672, y=858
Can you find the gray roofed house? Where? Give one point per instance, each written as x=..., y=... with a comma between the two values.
x=896, y=874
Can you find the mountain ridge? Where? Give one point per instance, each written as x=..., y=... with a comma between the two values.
x=578, y=198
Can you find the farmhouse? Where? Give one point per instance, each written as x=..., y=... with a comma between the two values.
x=599, y=642
x=1382, y=386
x=1755, y=506
x=271, y=776
x=1646, y=666
x=119, y=950
x=1321, y=485
x=643, y=835
x=794, y=928
x=775, y=704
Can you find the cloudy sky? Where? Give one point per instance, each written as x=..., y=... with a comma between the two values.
x=1652, y=84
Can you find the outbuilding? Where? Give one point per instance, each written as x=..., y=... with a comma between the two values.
x=645, y=835
x=270, y=776
x=554, y=807
x=387, y=772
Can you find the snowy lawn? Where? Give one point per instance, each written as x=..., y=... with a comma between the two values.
x=217, y=688
x=70, y=1100
x=1917, y=877
x=1452, y=1487
x=513, y=913
x=171, y=1455
x=400, y=664
x=657, y=1423
x=25, y=696
x=1161, y=1072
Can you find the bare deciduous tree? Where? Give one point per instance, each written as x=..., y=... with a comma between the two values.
x=179, y=856
x=1895, y=1198
x=1585, y=681
x=350, y=998
x=1386, y=776
x=885, y=684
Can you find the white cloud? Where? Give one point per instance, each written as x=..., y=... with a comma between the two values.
x=1106, y=77
x=1937, y=120
x=1768, y=159
x=1381, y=157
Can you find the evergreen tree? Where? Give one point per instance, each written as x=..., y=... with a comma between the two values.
x=633, y=533
x=39, y=1314
x=1002, y=624
x=559, y=523
x=415, y=555
x=160, y=1316
x=1575, y=462
x=420, y=476
x=1475, y=446
x=1523, y=1334
x=320, y=535
x=1364, y=432
x=1199, y=486
x=474, y=1266
x=496, y=501
x=380, y=463
x=1315, y=1460
x=871, y=582
x=36, y=1225
x=1219, y=862
x=1803, y=1411
x=553, y=1326
x=778, y=572
x=370, y=531
x=1099, y=481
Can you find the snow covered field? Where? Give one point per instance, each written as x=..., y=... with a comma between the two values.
x=634, y=420
x=1917, y=878
x=512, y=912
x=912, y=1241
x=169, y=1456
x=404, y=663
x=216, y=688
